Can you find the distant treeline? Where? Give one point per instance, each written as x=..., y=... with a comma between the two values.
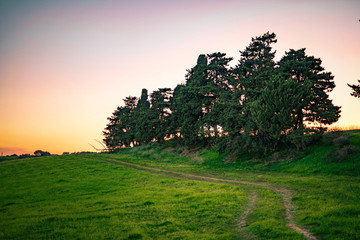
x=37, y=153
x=259, y=104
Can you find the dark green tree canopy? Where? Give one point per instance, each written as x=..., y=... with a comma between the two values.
x=119, y=132
x=256, y=64
x=259, y=104
x=143, y=127
x=355, y=89
x=160, y=113
x=300, y=67
x=41, y=153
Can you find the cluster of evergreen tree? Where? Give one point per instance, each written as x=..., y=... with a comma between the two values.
x=258, y=104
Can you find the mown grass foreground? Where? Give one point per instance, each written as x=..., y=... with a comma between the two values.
x=98, y=196
x=77, y=197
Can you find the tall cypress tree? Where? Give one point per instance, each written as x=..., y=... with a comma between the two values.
x=256, y=65
x=189, y=111
x=160, y=113
x=190, y=103
x=255, y=68
x=219, y=78
x=197, y=100
x=175, y=108
x=143, y=126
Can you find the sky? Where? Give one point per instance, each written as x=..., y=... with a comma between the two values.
x=66, y=65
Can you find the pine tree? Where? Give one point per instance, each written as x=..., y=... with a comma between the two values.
x=112, y=130
x=175, y=118
x=197, y=99
x=219, y=78
x=275, y=111
x=259, y=104
x=160, y=113
x=255, y=69
x=355, y=89
x=143, y=126
x=120, y=131
x=128, y=117
x=320, y=111
x=190, y=103
x=189, y=113
x=256, y=65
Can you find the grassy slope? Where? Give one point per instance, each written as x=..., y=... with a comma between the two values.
x=319, y=159
x=80, y=197
x=72, y=197
x=327, y=193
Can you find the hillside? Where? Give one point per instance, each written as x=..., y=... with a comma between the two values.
x=337, y=153
x=164, y=192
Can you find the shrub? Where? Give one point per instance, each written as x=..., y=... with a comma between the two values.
x=341, y=154
x=341, y=141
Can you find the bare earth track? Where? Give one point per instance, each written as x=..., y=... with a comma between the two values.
x=285, y=194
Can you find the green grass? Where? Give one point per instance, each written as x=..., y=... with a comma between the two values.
x=321, y=159
x=77, y=197
x=326, y=192
x=82, y=197
x=267, y=220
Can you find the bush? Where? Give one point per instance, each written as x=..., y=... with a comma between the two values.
x=343, y=148
x=40, y=153
x=341, y=154
x=341, y=141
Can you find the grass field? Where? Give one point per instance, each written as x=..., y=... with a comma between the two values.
x=72, y=197
x=153, y=192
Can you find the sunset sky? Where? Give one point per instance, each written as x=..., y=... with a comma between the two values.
x=66, y=65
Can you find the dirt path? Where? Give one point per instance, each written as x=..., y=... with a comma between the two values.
x=243, y=219
x=285, y=194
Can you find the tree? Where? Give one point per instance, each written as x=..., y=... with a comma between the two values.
x=159, y=114
x=355, y=89
x=255, y=69
x=143, y=126
x=320, y=111
x=175, y=119
x=127, y=121
x=196, y=100
x=259, y=104
x=120, y=131
x=219, y=77
x=256, y=65
x=115, y=130
x=41, y=153
x=189, y=103
x=275, y=111
x=189, y=112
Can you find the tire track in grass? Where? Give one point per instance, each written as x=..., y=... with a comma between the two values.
x=243, y=219
x=285, y=194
